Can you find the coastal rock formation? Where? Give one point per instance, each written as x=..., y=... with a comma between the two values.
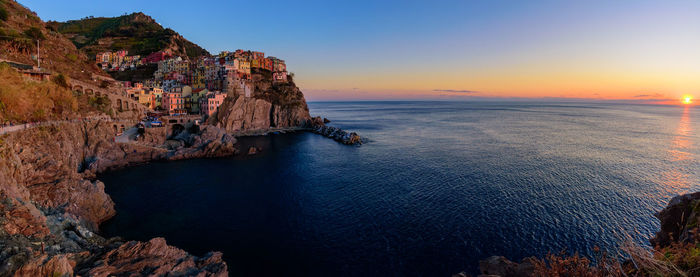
x=279, y=105
x=337, y=134
x=679, y=221
x=51, y=205
x=156, y=258
x=239, y=113
x=500, y=266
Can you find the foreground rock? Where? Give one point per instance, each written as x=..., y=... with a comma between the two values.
x=51, y=205
x=679, y=221
x=156, y=258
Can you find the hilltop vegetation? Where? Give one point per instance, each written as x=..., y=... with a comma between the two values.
x=137, y=33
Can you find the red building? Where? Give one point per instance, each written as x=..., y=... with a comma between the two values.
x=156, y=57
x=258, y=55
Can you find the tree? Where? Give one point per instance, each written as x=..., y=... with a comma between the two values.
x=3, y=13
x=61, y=80
x=34, y=33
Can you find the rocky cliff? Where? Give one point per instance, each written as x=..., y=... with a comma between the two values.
x=271, y=105
x=51, y=204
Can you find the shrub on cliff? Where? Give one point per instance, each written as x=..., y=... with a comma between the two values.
x=61, y=81
x=3, y=13
x=34, y=33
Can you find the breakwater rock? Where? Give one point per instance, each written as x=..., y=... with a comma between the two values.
x=338, y=134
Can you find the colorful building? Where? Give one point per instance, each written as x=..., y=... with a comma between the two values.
x=210, y=102
x=157, y=98
x=173, y=102
x=156, y=57
x=279, y=76
x=197, y=94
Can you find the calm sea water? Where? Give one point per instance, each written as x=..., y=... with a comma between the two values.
x=440, y=186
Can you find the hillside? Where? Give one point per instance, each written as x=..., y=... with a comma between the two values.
x=30, y=101
x=20, y=29
x=138, y=33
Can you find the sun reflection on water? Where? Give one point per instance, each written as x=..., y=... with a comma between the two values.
x=676, y=179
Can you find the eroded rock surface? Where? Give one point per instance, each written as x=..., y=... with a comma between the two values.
x=51, y=205
x=280, y=105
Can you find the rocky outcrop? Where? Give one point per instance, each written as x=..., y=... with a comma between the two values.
x=280, y=105
x=338, y=135
x=679, y=221
x=51, y=205
x=318, y=126
x=500, y=266
x=239, y=113
x=156, y=258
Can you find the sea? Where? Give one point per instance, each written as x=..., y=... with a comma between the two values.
x=437, y=187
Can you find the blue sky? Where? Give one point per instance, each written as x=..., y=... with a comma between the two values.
x=411, y=49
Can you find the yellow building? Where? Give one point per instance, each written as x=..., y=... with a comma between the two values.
x=156, y=101
x=145, y=99
x=242, y=66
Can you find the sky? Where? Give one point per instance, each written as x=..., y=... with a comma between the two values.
x=452, y=49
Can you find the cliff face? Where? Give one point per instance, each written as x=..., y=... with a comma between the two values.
x=51, y=204
x=270, y=106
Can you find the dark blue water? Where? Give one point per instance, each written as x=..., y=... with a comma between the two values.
x=440, y=186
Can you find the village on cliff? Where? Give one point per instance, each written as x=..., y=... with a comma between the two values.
x=181, y=86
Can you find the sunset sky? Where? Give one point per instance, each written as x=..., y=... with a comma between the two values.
x=445, y=49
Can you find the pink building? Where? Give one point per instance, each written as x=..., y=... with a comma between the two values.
x=279, y=77
x=210, y=102
x=173, y=102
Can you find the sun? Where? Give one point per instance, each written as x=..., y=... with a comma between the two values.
x=687, y=99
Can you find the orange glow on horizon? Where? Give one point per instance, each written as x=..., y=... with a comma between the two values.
x=687, y=99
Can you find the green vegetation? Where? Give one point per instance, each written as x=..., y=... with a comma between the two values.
x=137, y=33
x=101, y=103
x=72, y=57
x=21, y=41
x=139, y=74
x=61, y=81
x=3, y=13
x=34, y=33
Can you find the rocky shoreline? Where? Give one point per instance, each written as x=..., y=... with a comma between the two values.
x=52, y=203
